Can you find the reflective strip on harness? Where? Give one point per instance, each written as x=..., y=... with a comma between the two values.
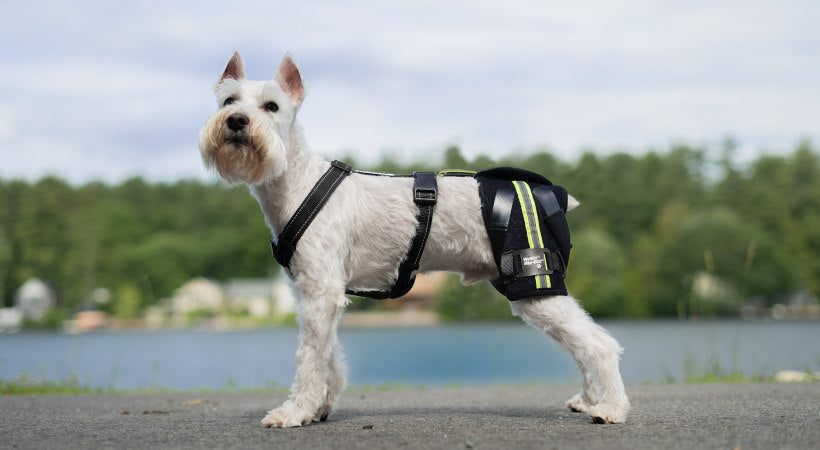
x=530, y=214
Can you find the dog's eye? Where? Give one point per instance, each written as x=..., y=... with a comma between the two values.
x=271, y=106
x=229, y=101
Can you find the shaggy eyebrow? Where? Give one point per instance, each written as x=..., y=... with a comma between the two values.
x=270, y=93
x=228, y=88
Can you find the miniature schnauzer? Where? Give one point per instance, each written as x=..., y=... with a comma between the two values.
x=360, y=237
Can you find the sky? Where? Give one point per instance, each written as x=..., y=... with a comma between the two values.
x=106, y=90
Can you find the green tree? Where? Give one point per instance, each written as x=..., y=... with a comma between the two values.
x=476, y=302
x=716, y=241
x=598, y=275
x=650, y=228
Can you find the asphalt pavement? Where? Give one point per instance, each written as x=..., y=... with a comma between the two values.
x=719, y=416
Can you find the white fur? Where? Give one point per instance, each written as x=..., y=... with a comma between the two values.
x=358, y=240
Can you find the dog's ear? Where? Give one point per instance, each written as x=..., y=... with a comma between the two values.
x=235, y=68
x=290, y=79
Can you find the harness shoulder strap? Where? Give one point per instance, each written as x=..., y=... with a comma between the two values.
x=284, y=247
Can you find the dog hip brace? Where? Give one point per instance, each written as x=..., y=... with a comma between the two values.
x=524, y=214
x=425, y=194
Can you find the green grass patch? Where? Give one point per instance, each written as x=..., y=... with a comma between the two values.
x=27, y=384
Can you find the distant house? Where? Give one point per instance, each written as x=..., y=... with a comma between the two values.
x=285, y=301
x=258, y=297
x=267, y=298
x=425, y=288
x=261, y=297
x=255, y=295
x=198, y=294
x=35, y=299
x=11, y=319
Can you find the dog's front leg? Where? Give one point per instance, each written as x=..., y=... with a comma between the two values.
x=320, y=312
x=336, y=383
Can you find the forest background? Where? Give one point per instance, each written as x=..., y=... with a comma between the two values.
x=685, y=231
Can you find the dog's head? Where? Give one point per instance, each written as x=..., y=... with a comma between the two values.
x=245, y=140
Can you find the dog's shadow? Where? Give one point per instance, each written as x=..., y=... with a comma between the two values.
x=445, y=414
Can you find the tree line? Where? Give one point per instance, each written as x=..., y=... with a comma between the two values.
x=678, y=232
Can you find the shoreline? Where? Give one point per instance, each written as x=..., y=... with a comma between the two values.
x=26, y=387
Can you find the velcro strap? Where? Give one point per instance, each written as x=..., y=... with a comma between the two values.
x=285, y=246
x=556, y=219
x=530, y=262
x=502, y=207
x=500, y=221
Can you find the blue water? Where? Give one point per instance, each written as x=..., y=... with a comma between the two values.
x=458, y=354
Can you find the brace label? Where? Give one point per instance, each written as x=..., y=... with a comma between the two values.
x=536, y=261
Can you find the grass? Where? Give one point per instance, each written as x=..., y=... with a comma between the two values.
x=27, y=384
x=714, y=372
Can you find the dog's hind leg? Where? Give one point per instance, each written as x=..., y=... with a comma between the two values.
x=320, y=313
x=583, y=400
x=595, y=352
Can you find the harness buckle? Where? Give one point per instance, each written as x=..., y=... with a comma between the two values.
x=425, y=189
x=425, y=196
x=340, y=165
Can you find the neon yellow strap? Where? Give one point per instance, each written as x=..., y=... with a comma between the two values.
x=457, y=172
x=527, y=202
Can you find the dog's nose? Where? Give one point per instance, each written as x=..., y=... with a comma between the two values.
x=237, y=121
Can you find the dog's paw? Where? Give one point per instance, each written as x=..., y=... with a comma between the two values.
x=579, y=403
x=608, y=413
x=286, y=416
x=322, y=413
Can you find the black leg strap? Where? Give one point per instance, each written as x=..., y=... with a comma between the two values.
x=425, y=195
x=284, y=247
x=556, y=219
x=500, y=221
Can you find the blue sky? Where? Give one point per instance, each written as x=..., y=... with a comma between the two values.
x=108, y=89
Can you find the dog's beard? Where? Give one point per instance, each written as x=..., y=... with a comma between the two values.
x=253, y=157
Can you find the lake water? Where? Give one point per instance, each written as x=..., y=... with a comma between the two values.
x=435, y=356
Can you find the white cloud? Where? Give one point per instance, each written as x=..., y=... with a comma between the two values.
x=96, y=89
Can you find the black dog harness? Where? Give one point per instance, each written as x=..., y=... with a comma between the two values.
x=425, y=194
x=523, y=212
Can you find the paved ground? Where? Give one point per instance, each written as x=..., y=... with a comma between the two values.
x=730, y=416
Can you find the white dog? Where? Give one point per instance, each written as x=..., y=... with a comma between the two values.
x=359, y=238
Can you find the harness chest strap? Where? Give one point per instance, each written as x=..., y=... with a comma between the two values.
x=425, y=195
